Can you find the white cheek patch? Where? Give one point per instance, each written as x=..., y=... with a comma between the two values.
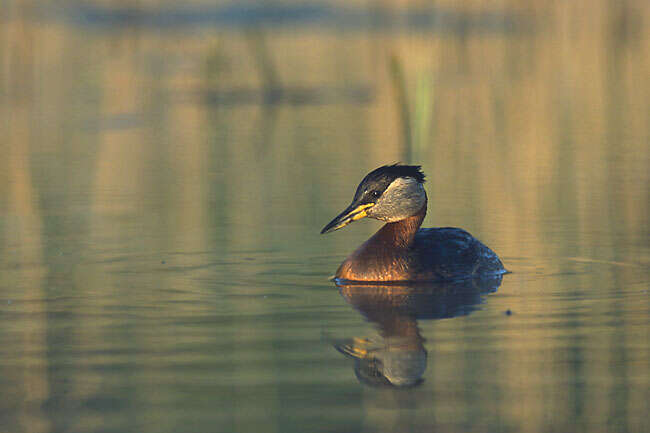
x=402, y=184
x=403, y=198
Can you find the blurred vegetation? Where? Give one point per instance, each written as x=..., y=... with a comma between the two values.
x=414, y=113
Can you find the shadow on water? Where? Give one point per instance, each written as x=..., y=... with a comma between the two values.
x=324, y=15
x=287, y=95
x=398, y=358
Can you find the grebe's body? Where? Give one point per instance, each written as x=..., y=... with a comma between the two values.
x=401, y=250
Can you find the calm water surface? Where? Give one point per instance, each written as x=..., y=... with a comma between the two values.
x=162, y=190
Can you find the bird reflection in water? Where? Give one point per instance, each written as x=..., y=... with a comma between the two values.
x=398, y=357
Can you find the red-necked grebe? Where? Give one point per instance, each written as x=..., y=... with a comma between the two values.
x=401, y=250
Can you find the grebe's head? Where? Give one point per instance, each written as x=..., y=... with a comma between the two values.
x=390, y=193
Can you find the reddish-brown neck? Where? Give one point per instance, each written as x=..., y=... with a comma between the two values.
x=385, y=256
x=400, y=234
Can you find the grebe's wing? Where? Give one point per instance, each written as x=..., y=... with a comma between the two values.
x=454, y=253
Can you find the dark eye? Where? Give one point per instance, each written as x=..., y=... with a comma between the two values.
x=375, y=194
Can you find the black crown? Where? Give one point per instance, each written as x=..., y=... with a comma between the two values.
x=397, y=170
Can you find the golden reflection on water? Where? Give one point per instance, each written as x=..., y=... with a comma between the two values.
x=538, y=144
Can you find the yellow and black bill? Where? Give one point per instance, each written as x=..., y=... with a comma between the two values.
x=359, y=348
x=354, y=212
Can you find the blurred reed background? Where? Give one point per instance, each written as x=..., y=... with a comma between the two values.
x=544, y=113
x=129, y=128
